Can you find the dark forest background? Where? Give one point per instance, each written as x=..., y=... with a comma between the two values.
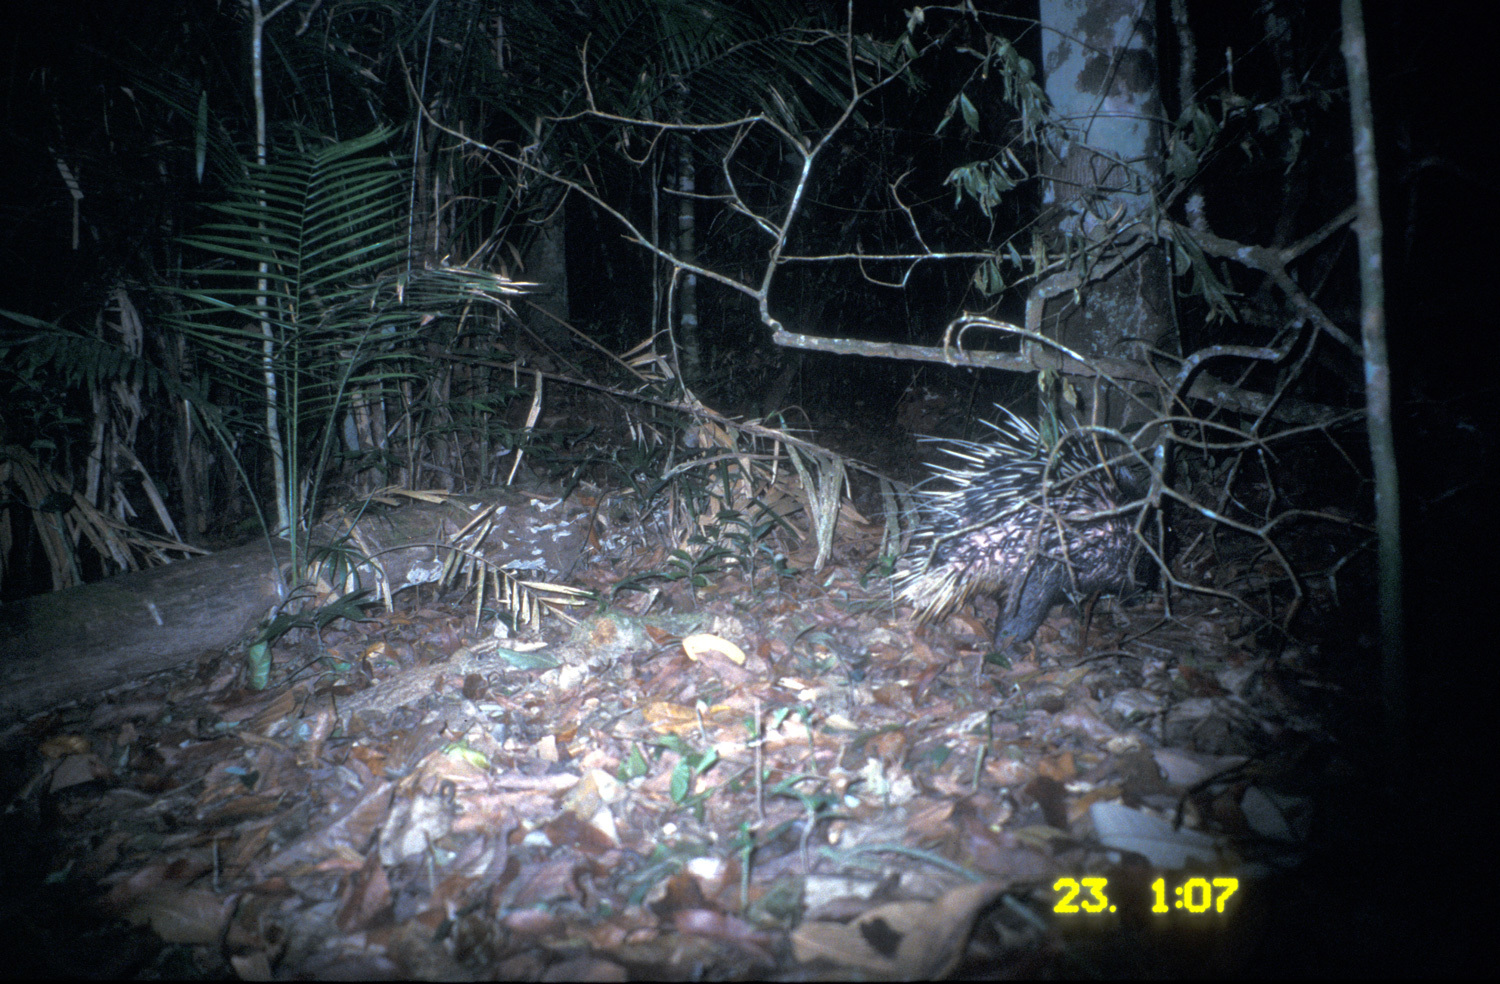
x=135, y=208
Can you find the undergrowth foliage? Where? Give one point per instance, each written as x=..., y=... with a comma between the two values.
x=308, y=308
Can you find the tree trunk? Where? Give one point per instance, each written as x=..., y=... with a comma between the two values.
x=685, y=247
x=1104, y=166
x=546, y=264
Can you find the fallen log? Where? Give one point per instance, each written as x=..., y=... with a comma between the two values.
x=82, y=641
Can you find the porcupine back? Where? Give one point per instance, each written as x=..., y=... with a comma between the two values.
x=1012, y=520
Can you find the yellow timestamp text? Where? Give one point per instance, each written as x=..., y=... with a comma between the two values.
x=1090, y=895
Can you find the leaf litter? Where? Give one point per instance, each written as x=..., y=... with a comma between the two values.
x=786, y=783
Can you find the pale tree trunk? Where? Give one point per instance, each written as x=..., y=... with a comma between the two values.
x=1104, y=165
x=546, y=266
x=685, y=247
x=285, y=511
x=1378, y=397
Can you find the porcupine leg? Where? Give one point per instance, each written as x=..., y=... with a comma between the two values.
x=1042, y=589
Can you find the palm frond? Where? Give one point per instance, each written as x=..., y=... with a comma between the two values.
x=299, y=238
x=307, y=304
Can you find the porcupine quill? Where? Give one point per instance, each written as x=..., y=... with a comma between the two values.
x=1029, y=526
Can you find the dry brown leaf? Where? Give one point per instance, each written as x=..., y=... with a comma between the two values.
x=76, y=770
x=902, y=941
x=697, y=645
x=182, y=915
x=59, y=746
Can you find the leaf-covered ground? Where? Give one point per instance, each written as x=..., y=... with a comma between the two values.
x=778, y=779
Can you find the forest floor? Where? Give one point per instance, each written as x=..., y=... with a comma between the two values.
x=775, y=776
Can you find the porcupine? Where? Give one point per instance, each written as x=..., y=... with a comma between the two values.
x=1029, y=526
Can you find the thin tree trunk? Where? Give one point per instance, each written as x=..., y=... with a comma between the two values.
x=1368, y=229
x=686, y=250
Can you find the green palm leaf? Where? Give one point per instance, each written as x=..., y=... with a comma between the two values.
x=290, y=302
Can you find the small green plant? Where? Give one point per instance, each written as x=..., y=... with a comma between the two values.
x=690, y=765
x=694, y=567
x=751, y=539
x=258, y=656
